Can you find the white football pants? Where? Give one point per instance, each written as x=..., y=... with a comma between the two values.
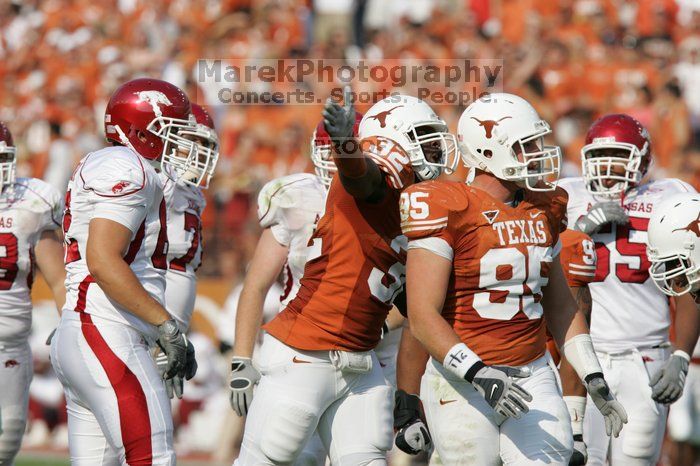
x=118, y=411
x=302, y=392
x=684, y=414
x=639, y=443
x=467, y=431
x=15, y=377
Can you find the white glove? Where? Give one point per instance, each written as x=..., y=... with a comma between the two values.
x=580, y=454
x=600, y=215
x=667, y=384
x=496, y=385
x=611, y=409
x=243, y=379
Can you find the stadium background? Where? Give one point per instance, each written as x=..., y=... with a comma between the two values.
x=60, y=60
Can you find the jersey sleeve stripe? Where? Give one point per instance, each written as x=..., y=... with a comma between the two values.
x=426, y=222
x=394, y=177
x=584, y=267
x=424, y=228
x=585, y=274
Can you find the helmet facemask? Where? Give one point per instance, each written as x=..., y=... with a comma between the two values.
x=324, y=166
x=536, y=166
x=198, y=172
x=432, y=149
x=674, y=274
x=8, y=164
x=608, y=171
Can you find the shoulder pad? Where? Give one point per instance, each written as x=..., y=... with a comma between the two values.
x=113, y=172
x=425, y=206
x=284, y=193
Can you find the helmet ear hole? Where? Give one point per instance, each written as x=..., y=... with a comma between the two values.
x=487, y=153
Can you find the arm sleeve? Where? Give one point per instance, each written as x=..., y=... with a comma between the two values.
x=50, y=202
x=578, y=258
x=425, y=218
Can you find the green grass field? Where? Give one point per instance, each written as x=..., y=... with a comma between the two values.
x=40, y=460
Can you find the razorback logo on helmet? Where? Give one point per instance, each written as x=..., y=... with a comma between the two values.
x=693, y=227
x=155, y=99
x=488, y=125
x=119, y=187
x=381, y=116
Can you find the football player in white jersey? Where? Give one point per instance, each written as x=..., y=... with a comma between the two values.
x=630, y=317
x=674, y=253
x=30, y=213
x=118, y=410
x=185, y=202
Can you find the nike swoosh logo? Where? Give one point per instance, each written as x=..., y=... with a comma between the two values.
x=300, y=361
x=534, y=214
x=444, y=402
x=493, y=390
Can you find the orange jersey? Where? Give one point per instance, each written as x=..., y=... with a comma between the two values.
x=355, y=266
x=578, y=260
x=500, y=255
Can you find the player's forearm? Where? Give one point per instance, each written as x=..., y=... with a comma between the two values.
x=248, y=320
x=359, y=175
x=410, y=362
x=49, y=259
x=432, y=331
x=687, y=323
x=570, y=382
x=120, y=284
x=394, y=320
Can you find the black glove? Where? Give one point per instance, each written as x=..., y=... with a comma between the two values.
x=412, y=434
x=496, y=385
x=600, y=215
x=174, y=345
x=339, y=121
x=580, y=454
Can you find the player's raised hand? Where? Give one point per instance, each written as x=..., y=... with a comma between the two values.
x=412, y=434
x=339, y=120
x=667, y=384
x=243, y=379
x=614, y=414
x=600, y=215
x=174, y=345
x=498, y=387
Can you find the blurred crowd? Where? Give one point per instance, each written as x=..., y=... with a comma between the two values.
x=575, y=60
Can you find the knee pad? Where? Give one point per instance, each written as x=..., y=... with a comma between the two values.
x=640, y=438
x=286, y=432
x=13, y=425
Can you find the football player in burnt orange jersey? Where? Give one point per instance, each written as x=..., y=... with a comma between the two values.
x=491, y=249
x=320, y=371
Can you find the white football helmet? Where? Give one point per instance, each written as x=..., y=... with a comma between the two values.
x=674, y=244
x=413, y=125
x=8, y=157
x=493, y=130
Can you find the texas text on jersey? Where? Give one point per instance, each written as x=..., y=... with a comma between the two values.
x=501, y=257
x=355, y=265
x=622, y=276
x=116, y=184
x=28, y=207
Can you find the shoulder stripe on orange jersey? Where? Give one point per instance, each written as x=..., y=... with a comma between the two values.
x=584, y=267
x=585, y=274
x=426, y=222
x=394, y=177
x=424, y=228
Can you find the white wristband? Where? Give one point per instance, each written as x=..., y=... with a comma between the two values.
x=459, y=359
x=580, y=354
x=577, y=407
x=682, y=354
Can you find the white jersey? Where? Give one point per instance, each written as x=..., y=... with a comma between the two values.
x=628, y=310
x=27, y=208
x=115, y=183
x=290, y=206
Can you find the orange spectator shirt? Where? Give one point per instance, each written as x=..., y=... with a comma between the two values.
x=578, y=260
x=355, y=266
x=501, y=260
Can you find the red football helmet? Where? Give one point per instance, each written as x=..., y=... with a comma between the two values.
x=616, y=155
x=321, y=145
x=207, y=149
x=149, y=116
x=8, y=156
